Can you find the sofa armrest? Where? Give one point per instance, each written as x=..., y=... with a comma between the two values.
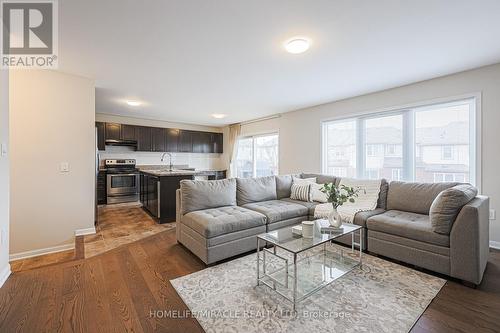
x=178, y=206
x=469, y=241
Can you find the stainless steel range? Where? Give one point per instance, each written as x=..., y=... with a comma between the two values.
x=122, y=181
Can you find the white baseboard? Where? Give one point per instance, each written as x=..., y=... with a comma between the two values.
x=39, y=252
x=83, y=232
x=4, y=274
x=495, y=245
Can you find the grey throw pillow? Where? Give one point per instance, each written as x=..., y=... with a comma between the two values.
x=445, y=208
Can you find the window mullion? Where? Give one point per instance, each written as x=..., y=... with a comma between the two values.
x=360, y=148
x=409, y=160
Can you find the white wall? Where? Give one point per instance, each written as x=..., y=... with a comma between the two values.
x=4, y=177
x=198, y=161
x=52, y=117
x=300, y=132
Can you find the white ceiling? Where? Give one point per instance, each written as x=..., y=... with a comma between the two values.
x=187, y=59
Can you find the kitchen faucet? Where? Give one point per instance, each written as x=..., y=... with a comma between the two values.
x=170, y=167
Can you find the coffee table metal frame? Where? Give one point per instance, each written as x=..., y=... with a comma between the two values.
x=295, y=299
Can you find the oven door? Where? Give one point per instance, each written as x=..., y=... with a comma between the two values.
x=123, y=184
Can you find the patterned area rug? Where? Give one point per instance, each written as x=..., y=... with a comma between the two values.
x=378, y=297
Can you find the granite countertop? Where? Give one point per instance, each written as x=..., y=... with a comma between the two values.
x=162, y=171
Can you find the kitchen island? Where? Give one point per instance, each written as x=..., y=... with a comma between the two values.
x=158, y=186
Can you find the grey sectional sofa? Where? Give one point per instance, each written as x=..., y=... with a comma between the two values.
x=220, y=219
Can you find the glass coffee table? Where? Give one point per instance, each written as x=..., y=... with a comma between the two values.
x=296, y=279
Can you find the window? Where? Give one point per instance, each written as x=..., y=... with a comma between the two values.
x=447, y=152
x=434, y=143
x=396, y=174
x=340, y=148
x=257, y=156
x=390, y=150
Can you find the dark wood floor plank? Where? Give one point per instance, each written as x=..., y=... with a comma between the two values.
x=144, y=301
x=121, y=303
x=45, y=316
x=96, y=307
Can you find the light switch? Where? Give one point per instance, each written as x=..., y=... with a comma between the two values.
x=64, y=167
x=4, y=149
x=493, y=214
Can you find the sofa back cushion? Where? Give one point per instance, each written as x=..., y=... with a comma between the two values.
x=445, y=208
x=382, y=197
x=321, y=179
x=255, y=189
x=414, y=197
x=205, y=194
x=284, y=186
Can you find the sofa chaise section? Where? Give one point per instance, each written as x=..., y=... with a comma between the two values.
x=211, y=225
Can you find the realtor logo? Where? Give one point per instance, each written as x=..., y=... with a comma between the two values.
x=29, y=34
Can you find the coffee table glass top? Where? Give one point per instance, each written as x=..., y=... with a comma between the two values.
x=287, y=240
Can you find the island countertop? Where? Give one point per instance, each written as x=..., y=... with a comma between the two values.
x=164, y=171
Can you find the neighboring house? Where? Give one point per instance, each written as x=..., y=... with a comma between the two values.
x=441, y=153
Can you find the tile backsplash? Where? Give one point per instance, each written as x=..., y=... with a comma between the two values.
x=198, y=161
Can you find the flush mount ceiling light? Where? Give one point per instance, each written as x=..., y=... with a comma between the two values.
x=297, y=45
x=133, y=103
x=219, y=115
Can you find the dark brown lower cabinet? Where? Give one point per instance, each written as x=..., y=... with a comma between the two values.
x=158, y=195
x=101, y=188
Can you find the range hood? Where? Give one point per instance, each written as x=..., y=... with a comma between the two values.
x=127, y=143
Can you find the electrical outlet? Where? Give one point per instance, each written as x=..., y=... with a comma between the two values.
x=493, y=214
x=64, y=167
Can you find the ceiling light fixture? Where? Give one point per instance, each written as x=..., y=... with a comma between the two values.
x=219, y=115
x=297, y=45
x=133, y=103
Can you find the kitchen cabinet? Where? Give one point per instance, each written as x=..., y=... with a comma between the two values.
x=159, y=139
x=113, y=131
x=143, y=135
x=101, y=188
x=218, y=143
x=173, y=140
x=101, y=133
x=185, y=141
x=158, y=195
x=128, y=132
x=201, y=142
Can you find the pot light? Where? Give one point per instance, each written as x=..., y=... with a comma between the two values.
x=297, y=45
x=133, y=103
x=219, y=115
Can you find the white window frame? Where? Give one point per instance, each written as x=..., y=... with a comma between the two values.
x=475, y=131
x=254, y=160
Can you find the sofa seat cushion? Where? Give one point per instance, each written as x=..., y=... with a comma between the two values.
x=223, y=220
x=278, y=210
x=405, y=224
x=309, y=205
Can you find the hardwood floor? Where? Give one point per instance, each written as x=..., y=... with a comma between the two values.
x=117, y=290
x=111, y=292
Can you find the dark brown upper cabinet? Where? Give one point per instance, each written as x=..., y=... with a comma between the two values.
x=201, y=142
x=173, y=140
x=218, y=142
x=101, y=140
x=144, y=138
x=113, y=131
x=128, y=132
x=159, y=137
x=185, y=141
